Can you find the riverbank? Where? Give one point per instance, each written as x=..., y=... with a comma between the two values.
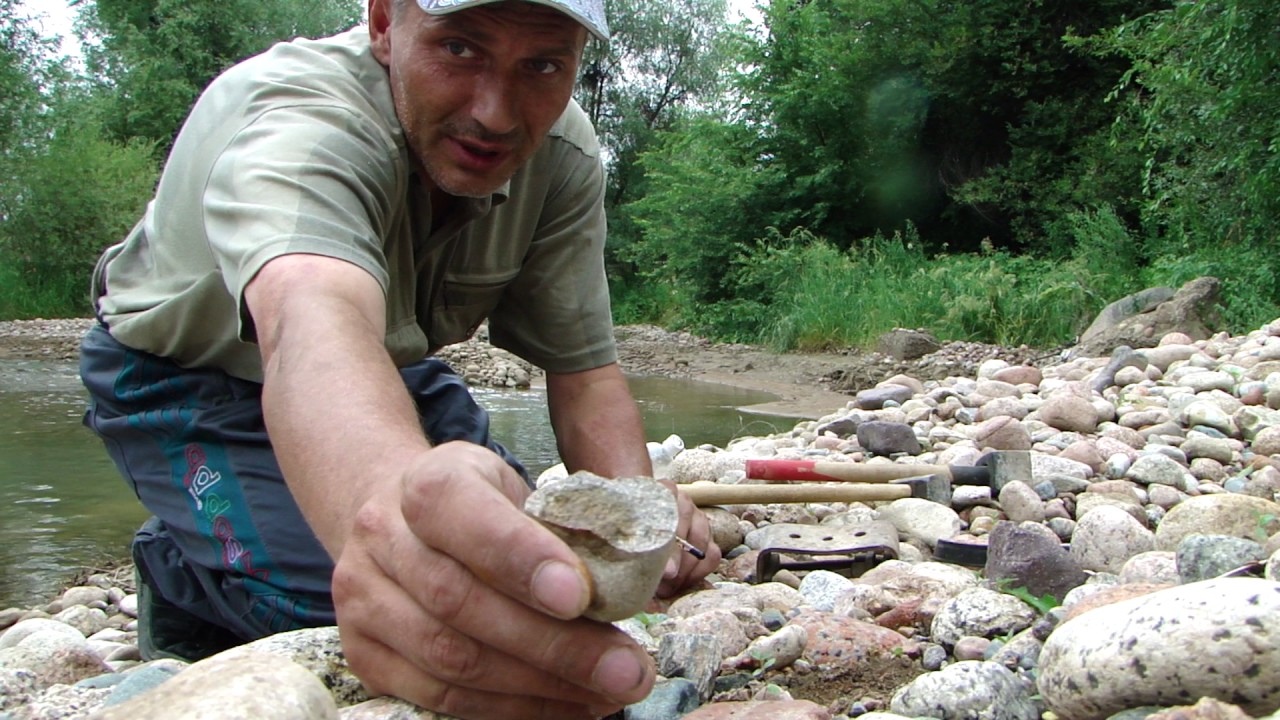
x=808, y=385
x=1151, y=509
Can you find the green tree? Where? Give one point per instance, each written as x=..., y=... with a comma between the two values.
x=74, y=196
x=26, y=66
x=661, y=59
x=970, y=119
x=152, y=58
x=1202, y=98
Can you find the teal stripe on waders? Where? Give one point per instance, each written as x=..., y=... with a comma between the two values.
x=208, y=483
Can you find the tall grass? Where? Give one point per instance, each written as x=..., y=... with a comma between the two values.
x=804, y=293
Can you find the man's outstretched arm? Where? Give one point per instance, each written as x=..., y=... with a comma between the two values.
x=447, y=594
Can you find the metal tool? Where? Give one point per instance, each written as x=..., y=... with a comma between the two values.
x=994, y=469
x=848, y=550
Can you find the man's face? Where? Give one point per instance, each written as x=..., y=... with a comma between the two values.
x=476, y=90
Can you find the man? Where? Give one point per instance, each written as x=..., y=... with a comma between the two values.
x=333, y=211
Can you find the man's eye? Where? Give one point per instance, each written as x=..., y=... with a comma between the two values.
x=458, y=49
x=544, y=67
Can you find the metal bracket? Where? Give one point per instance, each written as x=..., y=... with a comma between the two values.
x=849, y=550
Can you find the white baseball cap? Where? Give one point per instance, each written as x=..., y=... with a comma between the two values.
x=588, y=12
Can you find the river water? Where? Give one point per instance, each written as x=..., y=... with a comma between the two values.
x=63, y=506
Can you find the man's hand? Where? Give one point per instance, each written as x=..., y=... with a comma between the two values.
x=449, y=596
x=684, y=569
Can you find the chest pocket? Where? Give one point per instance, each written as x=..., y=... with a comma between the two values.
x=462, y=303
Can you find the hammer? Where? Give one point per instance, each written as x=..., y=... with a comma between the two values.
x=994, y=469
x=936, y=488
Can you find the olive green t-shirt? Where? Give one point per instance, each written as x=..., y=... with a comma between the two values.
x=298, y=150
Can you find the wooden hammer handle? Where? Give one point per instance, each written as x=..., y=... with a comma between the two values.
x=827, y=471
x=705, y=495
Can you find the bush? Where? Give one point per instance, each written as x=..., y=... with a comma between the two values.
x=65, y=204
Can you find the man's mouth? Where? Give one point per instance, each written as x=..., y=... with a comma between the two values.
x=480, y=155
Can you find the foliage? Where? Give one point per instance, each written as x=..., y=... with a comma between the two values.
x=816, y=296
x=969, y=119
x=701, y=194
x=25, y=67
x=151, y=58
x=1201, y=98
x=69, y=201
x=1042, y=604
x=662, y=60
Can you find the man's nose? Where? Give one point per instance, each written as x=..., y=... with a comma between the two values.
x=494, y=104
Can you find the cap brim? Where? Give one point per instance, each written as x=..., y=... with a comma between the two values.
x=588, y=13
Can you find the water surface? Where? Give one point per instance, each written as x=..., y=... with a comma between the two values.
x=63, y=506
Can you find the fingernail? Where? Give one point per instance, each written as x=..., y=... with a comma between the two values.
x=618, y=672
x=672, y=569
x=559, y=589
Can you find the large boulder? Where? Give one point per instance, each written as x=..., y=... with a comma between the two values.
x=1141, y=319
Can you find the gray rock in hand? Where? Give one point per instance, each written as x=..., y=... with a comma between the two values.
x=622, y=529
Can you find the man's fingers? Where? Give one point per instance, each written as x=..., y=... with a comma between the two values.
x=696, y=530
x=490, y=534
x=462, y=608
x=390, y=674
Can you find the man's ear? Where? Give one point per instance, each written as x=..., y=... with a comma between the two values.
x=380, y=12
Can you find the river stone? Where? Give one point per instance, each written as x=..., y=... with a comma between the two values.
x=1201, y=557
x=1107, y=537
x=1158, y=468
x=840, y=643
x=1200, y=446
x=1242, y=516
x=319, y=650
x=1070, y=413
x=622, y=529
x=730, y=633
x=1020, y=503
x=1002, y=433
x=670, y=698
x=1214, y=638
x=1165, y=355
x=906, y=344
x=695, y=658
x=697, y=464
x=982, y=613
x=726, y=531
x=1267, y=441
x=386, y=708
x=777, y=651
x=1089, y=501
x=921, y=519
x=1019, y=375
x=877, y=397
x=54, y=658
x=1030, y=556
x=85, y=619
x=882, y=437
x=83, y=595
x=237, y=684
x=19, y=632
x=1044, y=466
x=821, y=588
x=1209, y=414
x=966, y=689
x=761, y=710
x=1206, y=380
x=1154, y=567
